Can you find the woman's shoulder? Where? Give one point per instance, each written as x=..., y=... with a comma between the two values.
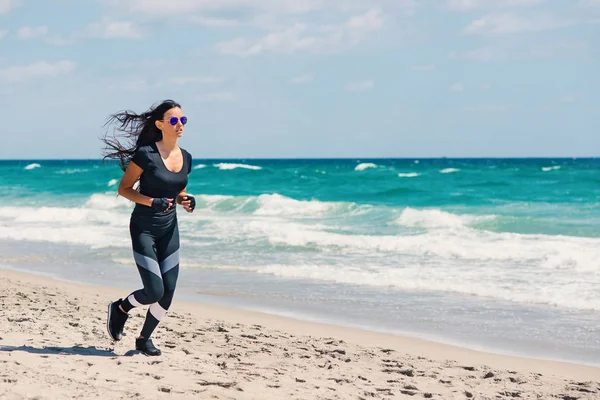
x=187, y=159
x=186, y=154
x=143, y=155
x=146, y=148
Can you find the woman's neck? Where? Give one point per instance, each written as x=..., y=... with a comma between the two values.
x=167, y=144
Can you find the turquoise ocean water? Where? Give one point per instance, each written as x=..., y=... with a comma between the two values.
x=495, y=254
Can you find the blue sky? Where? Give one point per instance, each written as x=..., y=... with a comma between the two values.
x=307, y=78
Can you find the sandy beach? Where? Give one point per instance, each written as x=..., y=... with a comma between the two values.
x=54, y=345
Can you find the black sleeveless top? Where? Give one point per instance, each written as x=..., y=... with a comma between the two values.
x=156, y=180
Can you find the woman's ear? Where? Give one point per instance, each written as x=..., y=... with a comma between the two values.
x=158, y=124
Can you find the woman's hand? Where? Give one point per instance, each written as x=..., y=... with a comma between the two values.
x=162, y=204
x=187, y=201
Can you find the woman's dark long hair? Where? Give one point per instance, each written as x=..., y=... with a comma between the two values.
x=138, y=130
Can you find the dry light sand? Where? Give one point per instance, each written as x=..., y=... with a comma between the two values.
x=54, y=345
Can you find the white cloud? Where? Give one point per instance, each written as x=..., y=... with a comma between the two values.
x=362, y=86
x=302, y=79
x=36, y=70
x=524, y=50
x=41, y=33
x=469, y=5
x=457, y=87
x=162, y=7
x=262, y=20
x=270, y=15
x=287, y=41
x=507, y=23
x=186, y=80
x=422, y=68
x=463, y=4
x=7, y=5
x=369, y=21
x=111, y=29
x=301, y=37
x=32, y=33
x=215, y=22
x=181, y=7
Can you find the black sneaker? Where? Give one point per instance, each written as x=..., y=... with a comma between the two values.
x=116, y=320
x=147, y=347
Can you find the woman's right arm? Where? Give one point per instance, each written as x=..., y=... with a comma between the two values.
x=131, y=175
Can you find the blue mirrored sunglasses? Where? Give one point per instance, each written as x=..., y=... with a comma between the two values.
x=173, y=120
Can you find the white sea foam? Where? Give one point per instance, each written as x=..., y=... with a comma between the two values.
x=277, y=205
x=219, y=203
x=552, y=168
x=212, y=199
x=363, y=166
x=92, y=236
x=449, y=256
x=229, y=166
x=490, y=283
x=200, y=166
x=449, y=170
x=559, y=271
x=93, y=227
x=408, y=174
x=100, y=201
x=445, y=253
x=113, y=182
x=435, y=218
x=100, y=221
x=54, y=216
x=32, y=166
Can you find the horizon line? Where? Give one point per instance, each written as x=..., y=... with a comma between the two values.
x=331, y=158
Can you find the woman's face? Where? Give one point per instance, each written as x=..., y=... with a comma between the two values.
x=172, y=122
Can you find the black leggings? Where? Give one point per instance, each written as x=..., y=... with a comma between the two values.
x=155, y=244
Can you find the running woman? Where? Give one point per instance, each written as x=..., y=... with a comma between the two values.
x=162, y=167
